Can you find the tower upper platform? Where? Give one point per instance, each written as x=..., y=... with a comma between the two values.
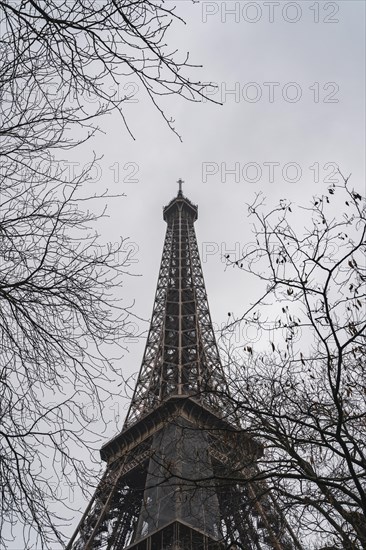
x=180, y=205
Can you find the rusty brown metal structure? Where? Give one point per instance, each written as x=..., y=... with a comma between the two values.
x=179, y=474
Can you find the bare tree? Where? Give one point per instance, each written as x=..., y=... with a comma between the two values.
x=63, y=65
x=59, y=310
x=304, y=397
x=68, y=62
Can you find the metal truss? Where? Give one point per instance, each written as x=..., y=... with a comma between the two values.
x=185, y=487
x=181, y=356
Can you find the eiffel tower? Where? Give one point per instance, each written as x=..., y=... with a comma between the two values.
x=179, y=475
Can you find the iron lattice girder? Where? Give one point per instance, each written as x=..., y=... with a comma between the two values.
x=179, y=464
x=181, y=356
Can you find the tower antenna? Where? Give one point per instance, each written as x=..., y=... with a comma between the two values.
x=180, y=182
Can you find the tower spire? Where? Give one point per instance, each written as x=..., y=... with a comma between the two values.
x=179, y=474
x=180, y=183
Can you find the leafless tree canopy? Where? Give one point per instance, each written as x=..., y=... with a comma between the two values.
x=63, y=64
x=59, y=312
x=305, y=395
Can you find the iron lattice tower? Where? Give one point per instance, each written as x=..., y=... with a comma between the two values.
x=178, y=474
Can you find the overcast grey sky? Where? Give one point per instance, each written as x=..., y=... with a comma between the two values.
x=291, y=80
